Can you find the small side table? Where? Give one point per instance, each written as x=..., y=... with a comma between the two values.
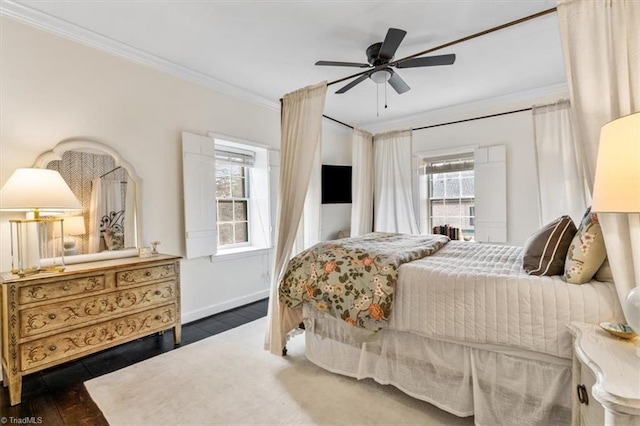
x=606, y=378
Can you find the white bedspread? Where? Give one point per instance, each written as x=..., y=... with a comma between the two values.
x=479, y=293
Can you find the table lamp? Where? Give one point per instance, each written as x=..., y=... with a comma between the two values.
x=616, y=189
x=73, y=225
x=36, y=191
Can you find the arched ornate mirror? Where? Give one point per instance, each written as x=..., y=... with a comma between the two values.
x=109, y=190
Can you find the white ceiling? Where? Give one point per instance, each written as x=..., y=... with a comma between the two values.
x=268, y=48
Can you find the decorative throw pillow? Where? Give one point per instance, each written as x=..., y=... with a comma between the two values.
x=545, y=250
x=113, y=240
x=587, y=252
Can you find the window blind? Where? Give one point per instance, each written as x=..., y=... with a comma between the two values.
x=235, y=156
x=446, y=166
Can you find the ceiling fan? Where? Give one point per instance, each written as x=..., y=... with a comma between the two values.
x=381, y=54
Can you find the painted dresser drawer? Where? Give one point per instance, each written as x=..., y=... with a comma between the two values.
x=42, y=319
x=59, y=289
x=143, y=275
x=51, y=318
x=92, y=338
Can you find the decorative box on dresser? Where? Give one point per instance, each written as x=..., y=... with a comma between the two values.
x=51, y=318
x=606, y=378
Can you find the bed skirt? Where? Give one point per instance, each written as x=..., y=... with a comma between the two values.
x=497, y=386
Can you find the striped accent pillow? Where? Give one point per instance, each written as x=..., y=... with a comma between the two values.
x=546, y=250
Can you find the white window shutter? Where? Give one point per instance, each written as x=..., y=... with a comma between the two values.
x=490, y=174
x=199, y=180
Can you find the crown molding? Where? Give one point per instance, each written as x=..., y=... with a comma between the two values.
x=35, y=18
x=496, y=104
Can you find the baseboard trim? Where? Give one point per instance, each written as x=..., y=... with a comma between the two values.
x=191, y=316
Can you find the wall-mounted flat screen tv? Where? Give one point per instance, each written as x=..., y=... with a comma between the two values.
x=336, y=184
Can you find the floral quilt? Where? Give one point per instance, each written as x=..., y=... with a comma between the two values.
x=353, y=279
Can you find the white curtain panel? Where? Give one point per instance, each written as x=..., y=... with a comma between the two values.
x=106, y=200
x=362, y=183
x=94, y=216
x=130, y=212
x=309, y=230
x=301, y=134
x=562, y=187
x=393, y=200
x=601, y=46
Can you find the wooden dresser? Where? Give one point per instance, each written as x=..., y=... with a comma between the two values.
x=48, y=319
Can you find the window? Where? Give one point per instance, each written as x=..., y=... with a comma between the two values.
x=226, y=195
x=242, y=196
x=449, y=194
x=232, y=203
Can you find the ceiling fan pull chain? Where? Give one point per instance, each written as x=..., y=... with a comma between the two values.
x=377, y=100
x=385, y=95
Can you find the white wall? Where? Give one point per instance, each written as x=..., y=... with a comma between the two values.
x=336, y=217
x=515, y=132
x=53, y=89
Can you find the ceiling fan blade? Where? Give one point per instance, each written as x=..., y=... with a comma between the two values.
x=398, y=83
x=343, y=64
x=358, y=80
x=428, y=61
x=391, y=43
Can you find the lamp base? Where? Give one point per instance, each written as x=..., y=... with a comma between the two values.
x=70, y=248
x=25, y=272
x=56, y=268
x=631, y=309
x=32, y=246
x=32, y=271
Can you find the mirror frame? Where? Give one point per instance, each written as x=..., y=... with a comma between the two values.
x=95, y=147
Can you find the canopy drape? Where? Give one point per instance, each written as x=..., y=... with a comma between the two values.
x=362, y=183
x=561, y=175
x=109, y=209
x=601, y=47
x=393, y=199
x=130, y=216
x=301, y=132
x=310, y=223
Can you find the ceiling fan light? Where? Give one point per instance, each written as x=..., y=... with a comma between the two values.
x=381, y=76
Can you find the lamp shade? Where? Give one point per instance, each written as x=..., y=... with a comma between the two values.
x=73, y=225
x=616, y=188
x=33, y=189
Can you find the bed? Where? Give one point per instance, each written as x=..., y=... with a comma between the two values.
x=470, y=332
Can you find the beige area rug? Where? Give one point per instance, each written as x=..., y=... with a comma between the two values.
x=229, y=379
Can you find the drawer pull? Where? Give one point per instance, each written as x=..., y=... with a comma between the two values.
x=52, y=316
x=147, y=274
x=65, y=287
x=583, y=395
x=158, y=318
x=52, y=348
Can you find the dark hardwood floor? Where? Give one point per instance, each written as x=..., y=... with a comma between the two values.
x=57, y=396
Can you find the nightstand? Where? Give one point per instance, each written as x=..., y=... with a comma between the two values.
x=606, y=378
